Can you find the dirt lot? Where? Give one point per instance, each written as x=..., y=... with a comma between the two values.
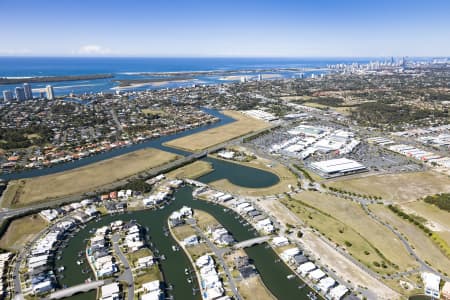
x=191, y=171
x=397, y=187
x=346, y=269
x=208, y=138
x=253, y=288
x=45, y=188
x=22, y=230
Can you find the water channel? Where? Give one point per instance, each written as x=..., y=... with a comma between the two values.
x=272, y=272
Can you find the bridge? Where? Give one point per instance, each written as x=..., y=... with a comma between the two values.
x=251, y=242
x=80, y=288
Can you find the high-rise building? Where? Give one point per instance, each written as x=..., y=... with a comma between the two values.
x=49, y=92
x=28, y=91
x=7, y=95
x=20, y=94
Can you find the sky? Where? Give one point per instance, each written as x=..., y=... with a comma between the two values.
x=222, y=28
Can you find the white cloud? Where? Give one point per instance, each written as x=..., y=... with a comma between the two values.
x=18, y=52
x=93, y=50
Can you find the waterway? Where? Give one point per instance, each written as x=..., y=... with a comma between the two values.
x=154, y=143
x=273, y=273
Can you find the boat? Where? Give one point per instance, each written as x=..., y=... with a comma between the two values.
x=291, y=276
x=79, y=262
x=60, y=269
x=186, y=271
x=302, y=286
x=189, y=280
x=175, y=248
x=312, y=296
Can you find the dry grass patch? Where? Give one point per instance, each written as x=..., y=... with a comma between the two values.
x=198, y=250
x=283, y=173
x=192, y=171
x=254, y=288
x=397, y=187
x=351, y=214
x=183, y=231
x=211, y=137
x=341, y=234
x=423, y=245
x=45, y=188
x=437, y=219
x=204, y=219
x=22, y=230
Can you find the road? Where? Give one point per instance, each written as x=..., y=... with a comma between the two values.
x=127, y=274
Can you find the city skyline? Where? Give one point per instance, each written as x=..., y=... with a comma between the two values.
x=232, y=29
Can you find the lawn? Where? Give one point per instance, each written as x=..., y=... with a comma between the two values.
x=341, y=234
x=192, y=170
x=24, y=192
x=214, y=136
x=286, y=178
x=22, y=230
x=397, y=187
x=352, y=215
x=254, y=288
x=423, y=245
x=198, y=250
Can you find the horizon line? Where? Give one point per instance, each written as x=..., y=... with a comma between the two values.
x=218, y=56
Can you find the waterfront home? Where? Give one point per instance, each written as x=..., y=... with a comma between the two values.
x=49, y=214
x=42, y=287
x=316, y=275
x=337, y=292
x=288, y=254
x=110, y=291
x=265, y=225
x=325, y=284
x=280, y=241
x=152, y=286
x=190, y=241
x=221, y=236
x=145, y=262
x=92, y=211
x=306, y=268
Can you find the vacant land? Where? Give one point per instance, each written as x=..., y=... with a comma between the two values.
x=343, y=235
x=346, y=269
x=352, y=215
x=40, y=189
x=204, y=219
x=183, y=231
x=422, y=244
x=397, y=187
x=211, y=137
x=286, y=178
x=437, y=219
x=22, y=230
x=254, y=288
x=191, y=171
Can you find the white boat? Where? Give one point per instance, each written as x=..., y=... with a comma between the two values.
x=291, y=276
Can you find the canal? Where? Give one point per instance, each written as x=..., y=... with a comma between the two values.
x=154, y=143
x=273, y=272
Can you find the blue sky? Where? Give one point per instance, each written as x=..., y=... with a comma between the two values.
x=301, y=28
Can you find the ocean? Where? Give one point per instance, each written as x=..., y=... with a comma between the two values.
x=130, y=68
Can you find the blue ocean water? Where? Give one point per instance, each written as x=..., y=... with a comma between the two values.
x=127, y=68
